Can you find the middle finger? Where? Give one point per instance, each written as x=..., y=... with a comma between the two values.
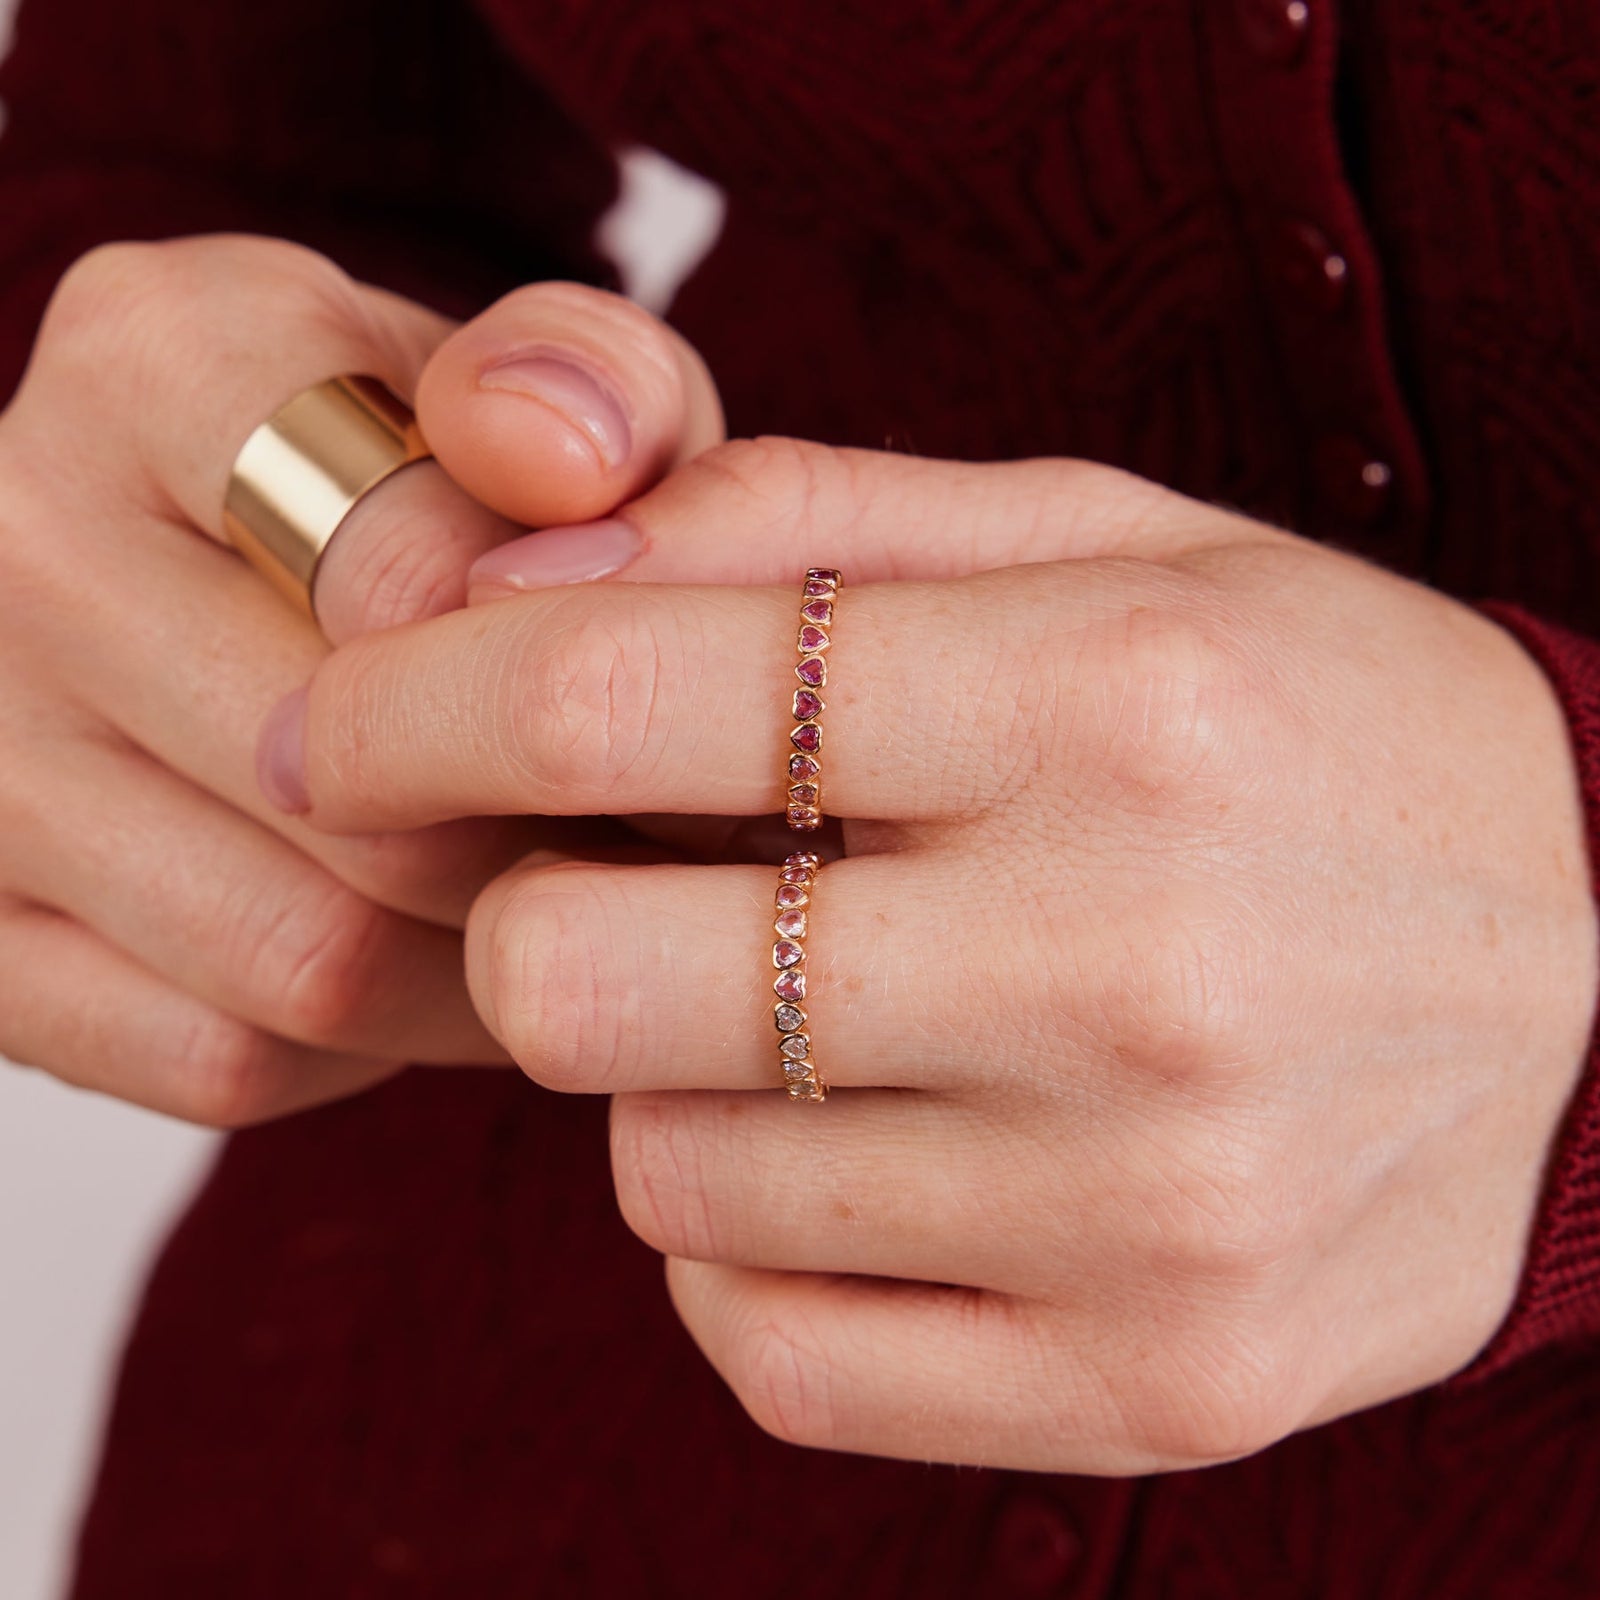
x=624, y=698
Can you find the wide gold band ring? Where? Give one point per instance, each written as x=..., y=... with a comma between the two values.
x=302, y=471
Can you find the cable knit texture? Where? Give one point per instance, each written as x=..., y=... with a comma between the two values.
x=1332, y=264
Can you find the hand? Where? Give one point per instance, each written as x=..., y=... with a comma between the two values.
x=1211, y=965
x=166, y=935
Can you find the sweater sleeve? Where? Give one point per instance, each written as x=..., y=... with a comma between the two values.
x=1558, y=1299
x=398, y=139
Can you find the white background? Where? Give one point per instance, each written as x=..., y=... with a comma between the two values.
x=88, y=1186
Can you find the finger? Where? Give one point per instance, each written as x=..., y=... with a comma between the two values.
x=190, y=679
x=92, y=1016
x=761, y=511
x=403, y=552
x=601, y=978
x=614, y=699
x=223, y=909
x=895, y=1184
x=168, y=356
x=556, y=403
x=917, y=1371
x=560, y=402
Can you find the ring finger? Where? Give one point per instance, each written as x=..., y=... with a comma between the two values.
x=601, y=978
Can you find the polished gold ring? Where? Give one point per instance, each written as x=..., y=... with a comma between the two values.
x=819, y=595
x=797, y=879
x=302, y=471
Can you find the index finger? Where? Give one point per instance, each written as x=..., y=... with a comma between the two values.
x=556, y=403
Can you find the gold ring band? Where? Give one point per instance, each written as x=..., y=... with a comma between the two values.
x=802, y=808
x=302, y=471
x=797, y=880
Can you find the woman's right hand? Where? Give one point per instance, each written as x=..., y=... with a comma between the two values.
x=165, y=935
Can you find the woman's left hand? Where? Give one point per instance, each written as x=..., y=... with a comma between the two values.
x=1212, y=963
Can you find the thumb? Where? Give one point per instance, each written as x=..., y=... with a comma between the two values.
x=560, y=402
x=556, y=404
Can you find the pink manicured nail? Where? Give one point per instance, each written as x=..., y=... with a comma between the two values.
x=573, y=554
x=281, y=754
x=573, y=393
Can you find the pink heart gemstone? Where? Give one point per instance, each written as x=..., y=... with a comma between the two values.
x=803, y=819
x=786, y=953
x=807, y=737
x=791, y=894
x=827, y=575
x=812, y=639
x=791, y=924
x=803, y=767
x=802, y=794
x=796, y=875
x=813, y=670
x=818, y=611
x=807, y=704
x=802, y=858
x=790, y=985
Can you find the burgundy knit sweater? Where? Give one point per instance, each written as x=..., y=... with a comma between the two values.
x=1333, y=262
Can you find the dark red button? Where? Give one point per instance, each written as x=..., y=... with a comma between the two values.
x=1036, y=1545
x=1305, y=262
x=1275, y=29
x=1353, y=482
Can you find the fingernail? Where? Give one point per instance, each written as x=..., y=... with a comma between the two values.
x=281, y=754
x=573, y=554
x=572, y=392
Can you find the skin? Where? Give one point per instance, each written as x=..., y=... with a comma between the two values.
x=1210, y=966
x=1211, y=963
x=166, y=935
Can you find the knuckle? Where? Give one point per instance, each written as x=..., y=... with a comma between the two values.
x=1208, y=1395
x=783, y=1375
x=1185, y=994
x=1220, y=1225
x=590, y=697
x=322, y=963
x=127, y=284
x=779, y=479
x=403, y=870
x=224, y=1069
x=40, y=554
x=554, y=981
x=395, y=562
x=101, y=284
x=1170, y=708
x=659, y=1158
x=427, y=872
